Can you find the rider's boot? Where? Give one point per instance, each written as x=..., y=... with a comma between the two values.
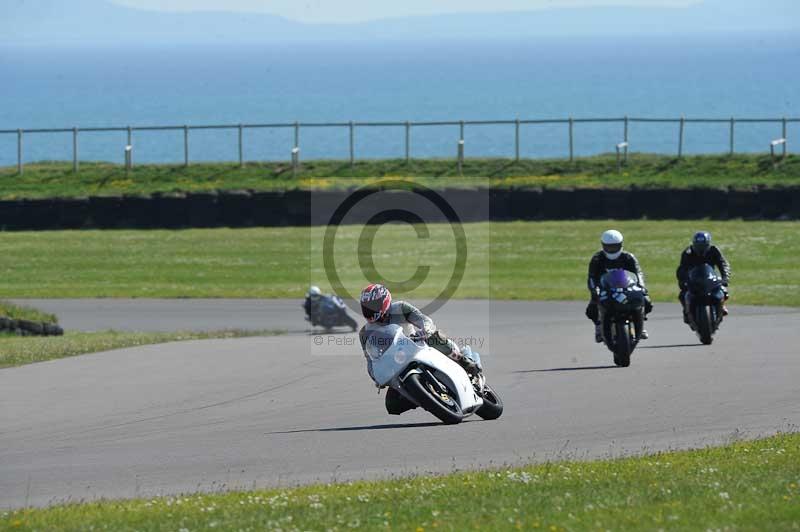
x=598, y=333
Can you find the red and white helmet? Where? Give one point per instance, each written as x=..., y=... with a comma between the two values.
x=375, y=302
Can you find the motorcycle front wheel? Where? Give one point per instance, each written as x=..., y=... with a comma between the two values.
x=623, y=345
x=704, y=324
x=492, y=407
x=428, y=395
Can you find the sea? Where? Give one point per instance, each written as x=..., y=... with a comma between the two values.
x=746, y=76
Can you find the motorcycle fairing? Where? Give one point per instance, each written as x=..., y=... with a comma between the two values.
x=393, y=353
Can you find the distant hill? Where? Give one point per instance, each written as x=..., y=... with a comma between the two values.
x=100, y=21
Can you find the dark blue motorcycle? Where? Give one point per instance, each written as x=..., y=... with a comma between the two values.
x=332, y=312
x=705, y=297
x=621, y=306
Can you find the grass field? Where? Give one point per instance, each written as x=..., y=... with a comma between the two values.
x=16, y=351
x=57, y=179
x=742, y=486
x=519, y=260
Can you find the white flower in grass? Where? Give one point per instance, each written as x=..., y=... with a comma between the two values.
x=724, y=495
x=523, y=477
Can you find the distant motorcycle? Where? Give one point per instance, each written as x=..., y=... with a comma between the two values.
x=705, y=297
x=332, y=312
x=621, y=306
x=428, y=378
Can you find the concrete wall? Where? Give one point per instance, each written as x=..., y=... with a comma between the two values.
x=293, y=208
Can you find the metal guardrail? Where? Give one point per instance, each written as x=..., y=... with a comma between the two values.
x=407, y=126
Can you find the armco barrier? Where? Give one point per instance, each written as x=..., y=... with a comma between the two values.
x=244, y=208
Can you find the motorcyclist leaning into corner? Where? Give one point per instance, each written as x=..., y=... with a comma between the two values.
x=612, y=257
x=311, y=304
x=379, y=310
x=700, y=252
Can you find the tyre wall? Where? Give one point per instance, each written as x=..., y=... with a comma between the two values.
x=242, y=208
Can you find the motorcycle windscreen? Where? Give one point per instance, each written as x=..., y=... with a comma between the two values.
x=618, y=279
x=704, y=278
x=390, y=351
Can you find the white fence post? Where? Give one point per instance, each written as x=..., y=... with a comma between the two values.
x=680, y=138
x=621, y=146
x=625, y=139
x=295, y=160
x=408, y=142
x=516, y=140
x=772, y=145
x=241, y=146
x=352, y=145
x=128, y=159
x=571, y=144
x=460, y=157
x=783, y=136
x=75, y=150
x=186, y=146
x=20, y=165
x=461, y=147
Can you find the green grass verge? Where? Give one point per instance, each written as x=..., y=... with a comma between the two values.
x=645, y=170
x=519, y=260
x=17, y=351
x=743, y=486
x=25, y=312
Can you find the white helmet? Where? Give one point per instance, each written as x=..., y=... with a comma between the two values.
x=612, y=244
x=314, y=291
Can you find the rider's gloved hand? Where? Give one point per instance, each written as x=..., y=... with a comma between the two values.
x=418, y=336
x=470, y=366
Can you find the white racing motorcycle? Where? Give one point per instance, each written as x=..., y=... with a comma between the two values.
x=428, y=378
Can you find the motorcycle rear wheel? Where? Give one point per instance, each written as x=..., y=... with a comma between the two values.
x=424, y=392
x=350, y=322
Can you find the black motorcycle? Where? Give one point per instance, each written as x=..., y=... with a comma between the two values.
x=621, y=306
x=705, y=297
x=332, y=312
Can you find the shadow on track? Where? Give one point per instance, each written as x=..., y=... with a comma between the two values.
x=581, y=368
x=366, y=427
x=674, y=346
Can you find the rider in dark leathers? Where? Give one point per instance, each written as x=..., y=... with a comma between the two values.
x=311, y=304
x=700, y=252
x=612, y=257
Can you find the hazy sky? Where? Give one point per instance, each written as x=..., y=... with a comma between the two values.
x=360, y=10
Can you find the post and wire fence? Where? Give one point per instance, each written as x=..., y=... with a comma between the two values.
x=460, y=148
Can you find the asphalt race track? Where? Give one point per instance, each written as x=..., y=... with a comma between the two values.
x=225, y=414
